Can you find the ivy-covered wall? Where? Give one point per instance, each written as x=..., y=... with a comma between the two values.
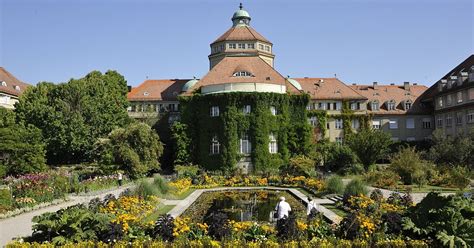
x=290, y=126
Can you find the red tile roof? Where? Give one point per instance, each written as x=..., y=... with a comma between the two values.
x=164, y=90
x=11, y=82
x=224, y=70
x=386, y=93
x=241, y=33
x=328, y=88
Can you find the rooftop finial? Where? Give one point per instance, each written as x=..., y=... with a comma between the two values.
x=240, y=6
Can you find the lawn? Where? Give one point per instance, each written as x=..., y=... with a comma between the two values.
x=426, y=188
x=335, y=209
x=181, y=196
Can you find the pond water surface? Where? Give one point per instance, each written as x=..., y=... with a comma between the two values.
x=242, y=205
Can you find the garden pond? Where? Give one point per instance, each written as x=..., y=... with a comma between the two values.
x=242, y=205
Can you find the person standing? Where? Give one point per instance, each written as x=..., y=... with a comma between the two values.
x=311, y=207
x=282, y=209
x=120, y=178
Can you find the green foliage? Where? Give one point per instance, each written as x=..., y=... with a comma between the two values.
x=6, y=200
x=409, y=165
x=158, y=187
x=135, y=149
x=181, y=144
x=354, y=188
x=189, y=171
x=459, y=177
x=73, y=115
x=289, y=126
x=450, y=220
x=452, y=151
x=382, y=179
x=300, y=166
x=21, y=148
x=334, y=185
x=76, y=223
x=339, y=157
x=369, y=145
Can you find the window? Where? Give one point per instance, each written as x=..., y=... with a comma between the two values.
x=267, y=48
x=375, y=105
x=4, y=83
x=376, y=124
x=448, y=100
x=449, y=120
x=260, y=46
x=221, y=47
x=232, y=46
x=273, y=146
x=459, y=119
x=471, y=94
x=355, y=124
x=215, y=145
x=250, y=46
x=328, y=106
x=339, y=124
x=4, y=99
x=353, y=105
x=459, y=97
x=338, y=105
x=17, y=88
x=308, y=107
x=440, y=122
x=245, y=145
x=440, y=102
x=247, y=109
x=241, y=45
x=391, y=105
x=214, y=111
x=242, y=74
x=410, y=123
x=393, y=124
x=411, y=139
x=407, y=105
x=313, y=121
x=339, y=140
x=273, y=110
x=427, y=123
x=321, y=106
x=470, y=117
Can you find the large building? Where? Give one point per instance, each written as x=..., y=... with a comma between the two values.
x=243, y=82
x=453, y=99
x=10, y=89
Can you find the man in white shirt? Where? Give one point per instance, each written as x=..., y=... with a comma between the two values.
x=311, y=206
x=282, y=208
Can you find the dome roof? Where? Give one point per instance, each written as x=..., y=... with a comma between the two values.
x=241, y=14
x=189, y=84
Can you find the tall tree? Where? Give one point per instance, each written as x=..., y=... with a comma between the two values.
x=73, y=115
x=369, y=145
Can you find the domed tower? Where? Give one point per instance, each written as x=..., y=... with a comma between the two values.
x=241, y=40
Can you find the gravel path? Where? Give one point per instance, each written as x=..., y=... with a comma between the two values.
x=21, y=225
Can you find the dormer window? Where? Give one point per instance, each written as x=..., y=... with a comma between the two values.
x=232, y=46
x=250, y=46
x=146, y=93
x=408, y=104
x=243, y=74
x=391, y=105
x=17, y=88
x=241, y=45
x=4, y=83
x=375, y=105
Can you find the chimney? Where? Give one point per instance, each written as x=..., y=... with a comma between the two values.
x=406, y=85
x=462, y=77
x=392, y=84
x=415, y=83
x=374, y=85
x=129, y=88
x=354, y=84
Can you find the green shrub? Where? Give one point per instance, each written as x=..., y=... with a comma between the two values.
x=300, y=166
x=6, y=201
x=146, y=189
x=161, y=184
x=354, y=188
x=190, y=171
x=409, y=165
x=369, y=145
x=334, y=185
x=459, y=177
x=340, y=157
x=382, y=179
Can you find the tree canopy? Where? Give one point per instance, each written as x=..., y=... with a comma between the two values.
x=73, y=115
x=369, y=145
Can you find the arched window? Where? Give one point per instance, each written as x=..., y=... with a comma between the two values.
x=242, y=74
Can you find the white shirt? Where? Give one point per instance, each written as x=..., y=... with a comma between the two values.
x=311, y=205
x=120, y=176
x=283, y=209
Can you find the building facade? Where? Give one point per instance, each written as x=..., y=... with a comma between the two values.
x=453, y=100
x=245, y=113
x=10, y=89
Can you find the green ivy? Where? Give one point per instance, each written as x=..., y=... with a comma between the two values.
x=290, y=127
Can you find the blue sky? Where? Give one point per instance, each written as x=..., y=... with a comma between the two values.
x=389, y=41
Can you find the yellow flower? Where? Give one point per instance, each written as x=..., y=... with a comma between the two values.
x=301, y=225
